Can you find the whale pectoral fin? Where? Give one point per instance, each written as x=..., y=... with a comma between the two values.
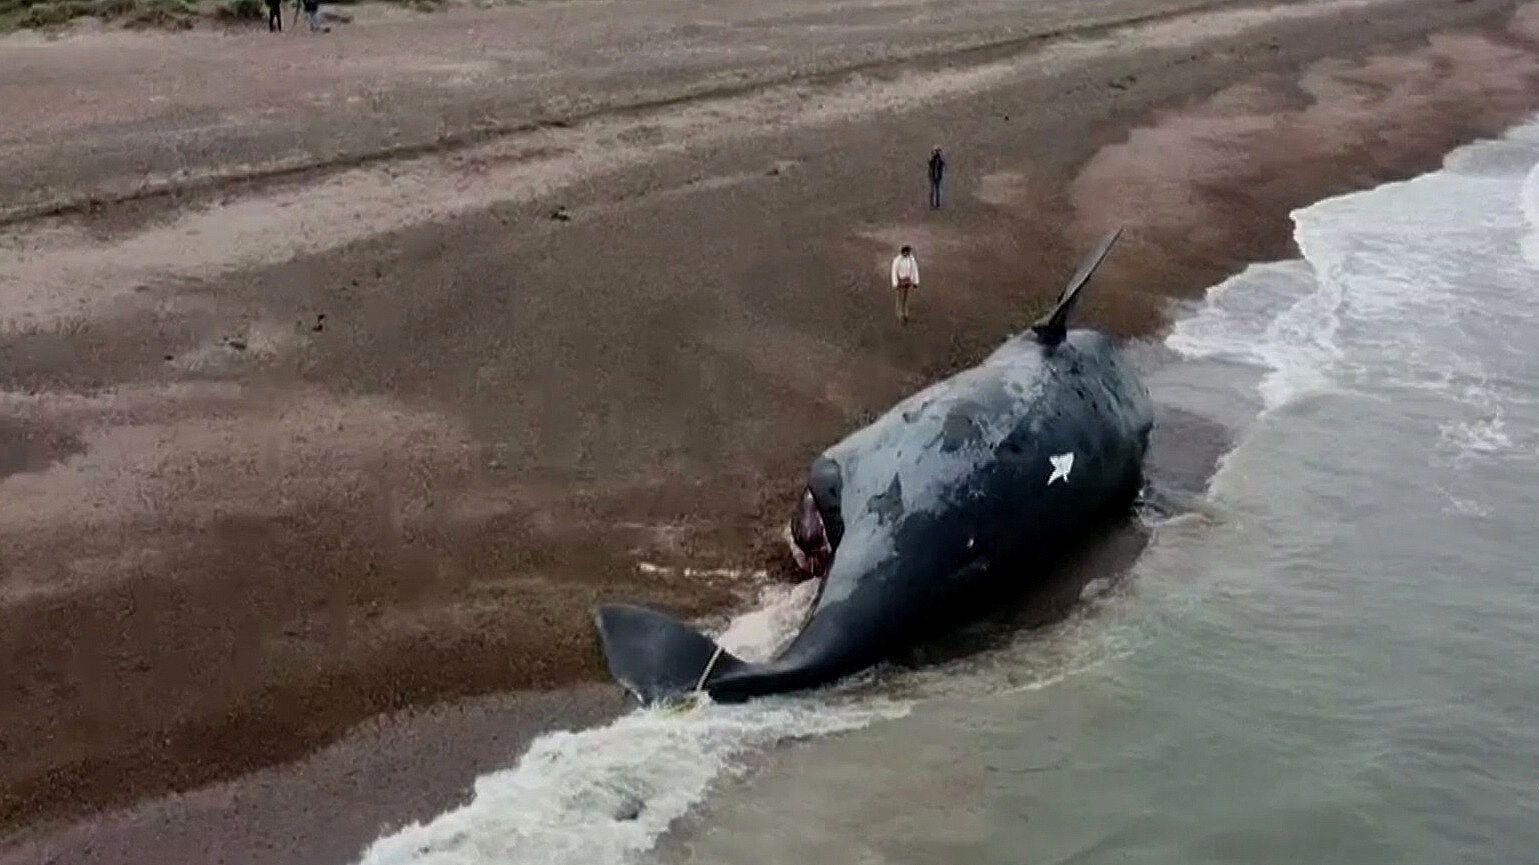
x=655, y=656
x=1051, y=328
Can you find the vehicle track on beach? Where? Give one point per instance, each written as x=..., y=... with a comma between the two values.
x=253, y=177
x=62, y=270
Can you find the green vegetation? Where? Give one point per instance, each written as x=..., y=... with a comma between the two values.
x=168, y=14
x=241, y=10
x=171, y=14
x=419, y=5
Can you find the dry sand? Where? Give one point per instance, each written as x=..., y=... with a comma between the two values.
x=317, y=413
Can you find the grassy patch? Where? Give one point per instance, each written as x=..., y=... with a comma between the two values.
x=171, y=14
x=241, y=10
x=421, y=5
x=168, y=14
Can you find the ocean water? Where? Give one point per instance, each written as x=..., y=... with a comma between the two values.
x=1330, y=655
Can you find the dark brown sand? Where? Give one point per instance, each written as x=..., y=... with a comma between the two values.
x=281, y=454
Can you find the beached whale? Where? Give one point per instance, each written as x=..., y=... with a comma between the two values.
x=948, y=499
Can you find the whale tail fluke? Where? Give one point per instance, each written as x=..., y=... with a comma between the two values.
x=1052, y=328
x=657, y=657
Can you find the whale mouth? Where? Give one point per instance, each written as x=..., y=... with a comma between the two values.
x=812, y=549
x=810, y=545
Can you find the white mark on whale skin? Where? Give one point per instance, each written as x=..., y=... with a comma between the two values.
x=1062, y=465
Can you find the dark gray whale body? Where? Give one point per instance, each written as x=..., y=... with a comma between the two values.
x=960, y=490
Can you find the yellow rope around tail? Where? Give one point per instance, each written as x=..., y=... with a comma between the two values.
x=706, y=673
x=692, y=701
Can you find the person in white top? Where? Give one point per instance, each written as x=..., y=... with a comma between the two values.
x=905, y=277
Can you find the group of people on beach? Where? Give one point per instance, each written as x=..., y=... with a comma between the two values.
x=312, y=10
x=905, y=268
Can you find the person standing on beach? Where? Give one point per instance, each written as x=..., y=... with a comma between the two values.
x=905, y=278
x=312, y=14
x=274, y=16
x=937, y=173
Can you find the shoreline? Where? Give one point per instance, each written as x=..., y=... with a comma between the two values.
x=1267, y=139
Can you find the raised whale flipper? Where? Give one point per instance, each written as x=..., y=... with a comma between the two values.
x=1052, y=328
x=656, y=656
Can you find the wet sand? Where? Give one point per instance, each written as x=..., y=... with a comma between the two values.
x=282, y=453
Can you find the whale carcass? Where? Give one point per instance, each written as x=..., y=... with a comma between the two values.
x=957, y=493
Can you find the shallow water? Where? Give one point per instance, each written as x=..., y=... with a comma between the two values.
x=1330, y=657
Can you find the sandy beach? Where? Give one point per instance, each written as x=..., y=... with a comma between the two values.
x=340, y=376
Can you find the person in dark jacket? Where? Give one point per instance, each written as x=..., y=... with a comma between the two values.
x=274, y=16
x=937, y=172
x=312, y=14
